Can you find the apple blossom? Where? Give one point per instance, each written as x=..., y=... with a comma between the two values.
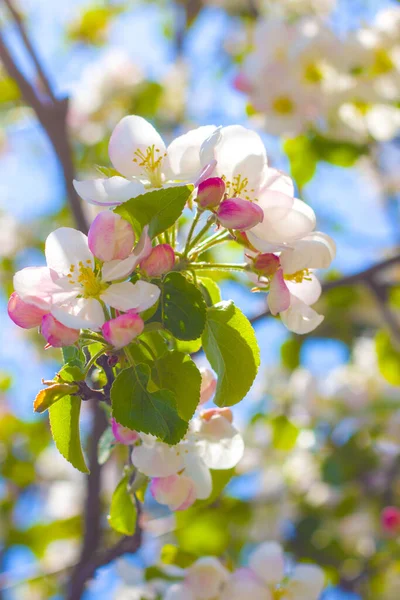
x=210, y=192
x=24, y=314
x=56, y=334
x=306, y=582
x=140, y=155
x=73, y=285
x=176, y=491
x=123, y=435
x=205, y=578
x=119, y=332
x=208, y=385
x=110, y=237
x=235, y=213
x=244, y=584
x=160, y=260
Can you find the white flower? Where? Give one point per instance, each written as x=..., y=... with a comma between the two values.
x=140, y=155
x=74, y=285
x=267, y=561
x=306, y=583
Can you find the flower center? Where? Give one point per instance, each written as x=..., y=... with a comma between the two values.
x=382, y=64
x=86, y=277
x=151, y=162
x=313, y=73
x=299, y=276
x=238, y=187
x=283, y=105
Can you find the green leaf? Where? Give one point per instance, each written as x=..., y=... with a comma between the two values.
x=388, y=358
x=177, y=372
x=172, y=555
x=106, y=446
x=284, y=433
x=73, y=356
x=71, y=372
x=340, y=153
x=123, y=514
x=64, y=423
x=188, y=347
x=159, y=209
x=136, y=407
x=303, y=159
x=210, y=290
x=52, y=394
x=290, y=353
x=182, y=309
x=231, y=347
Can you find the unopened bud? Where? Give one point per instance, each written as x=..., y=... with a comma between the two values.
x=160, y=260
x=235, y=213
x=123, y=435
x=119, y=332
x=23, y=314
x=56, y=334
x=210, y=192
x=208, y=414
x=110, y=237
x=266, y=264
x=208, y=385
x=390, y=519
x=176, y=491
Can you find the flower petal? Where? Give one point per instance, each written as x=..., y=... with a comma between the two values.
x=183, y=153
x=267, y=561
x=277, y=181
x=300, y=318
x=133, y=135
x=196, y=469
x=36, y=285
x=108, y=192
x=110, y=237
x=206, y=578
x=81, y=313
x=179, y=591
x=242, y=585
x=308, y=291
x=157, y=459
x=296, y=224
x=315, y=251
x=118, y=269
x=279, y=295
x=238, y=152
x=306, y=582
x=65, y=247
x=126, y=295
x=220, y=444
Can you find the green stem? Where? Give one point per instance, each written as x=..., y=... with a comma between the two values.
x=92, y=336
x=221, y=234
x=203, y=231
x=207, y=245
x=92, y=361
x=191, y=232
x=218, y=266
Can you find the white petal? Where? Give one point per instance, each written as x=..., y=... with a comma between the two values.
x=65, y=247
x=81, y=313
x=199, y=473
x=306, y=582
x=308, y=291
x=277, y=181
x=118, y=269
x=267, y=561
x=179, y=591
x=108, y=192
x=315, y=251
x=36, y=285
x=184, y=154
x=206, y=578
x=238, y=151
x=244, y=585
x=221, y=446
x=157, y=459
x=383, y=121
x=300, y=318
x=126, y=295
x=296, y=224
x=279, y=295
x=263, y=246
x=131, y=135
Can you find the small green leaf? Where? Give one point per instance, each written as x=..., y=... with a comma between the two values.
x=123, y=514
x=64, y=423
x=52, y=394
x=106, y=446
x=303, y=159
x=158, y=209
x=73, y=356
x=388, y=358
x=231, y=347
x=210, y=290
x=71, y=372
x=136, y=407
x=290, y=353
x=182, y=309
x=177, y=372
x=340, y=153
x=284, y=433
x=188, y=347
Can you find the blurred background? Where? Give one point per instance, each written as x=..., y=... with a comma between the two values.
x=320, y=81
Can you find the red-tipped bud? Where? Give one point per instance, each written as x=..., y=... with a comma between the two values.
x=110, y=237
x=266, y=264
x=208, y=385
x=56, y=334
x=123, y=435
x=390, y=519
x=236, y=213
x=208, y=414
x=119, y=332
x=23, y=314
x=160, y=260
x=210, y=192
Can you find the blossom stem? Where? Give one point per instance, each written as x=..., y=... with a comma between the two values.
x=191, y=232
x=209, y=243
x=203, y=231
x=92, y=336
x=92, y=361
x=219, y=266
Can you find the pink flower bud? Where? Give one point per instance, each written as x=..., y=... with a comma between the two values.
x=23, y=314
x=390, y=519
x=208, y=414
x=122, y=434
x=235, y=213
x=241, y=83
x=267, y=264
x=160, y=260
x=119, y=332
x=208, y=385
x=210, y=192
x=56, y=334
x=176, y=491
x=110, y=237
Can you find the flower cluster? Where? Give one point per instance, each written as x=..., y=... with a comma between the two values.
x=346, y=89
x=265, y=578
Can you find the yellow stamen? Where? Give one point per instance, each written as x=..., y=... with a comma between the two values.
x=283, y=105
x=151, y=164
x=91, y=285
x=313, y=73
x=299, y=276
